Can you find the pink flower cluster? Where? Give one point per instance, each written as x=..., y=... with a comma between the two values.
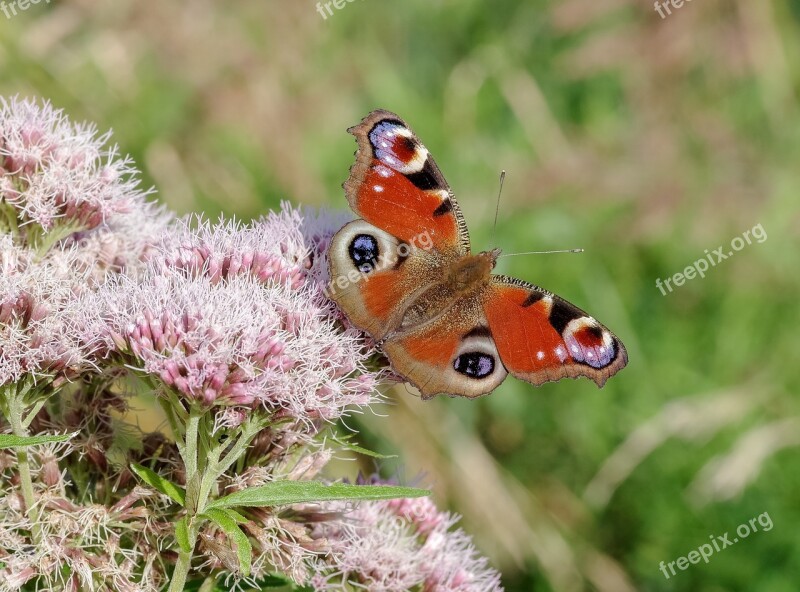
x=36, y=303
x=95, y=279
x=270, y=250
x=398, y=545
x=54, y=172
x=225, y=315
x=70, y=217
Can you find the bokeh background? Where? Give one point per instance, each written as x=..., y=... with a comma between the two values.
x=644, y=140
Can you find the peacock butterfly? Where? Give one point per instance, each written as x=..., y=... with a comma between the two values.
x=404, y=273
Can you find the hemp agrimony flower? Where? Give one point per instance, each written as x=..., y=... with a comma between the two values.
x=57, y=175
x=224, y=316
x=104, y=297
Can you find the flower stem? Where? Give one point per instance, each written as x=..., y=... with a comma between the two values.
x=190, y=443
x=181, y=571
x=189, y=453
x=14, y=408
x=204, y=467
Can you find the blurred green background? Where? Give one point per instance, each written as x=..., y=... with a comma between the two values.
x=644, y=140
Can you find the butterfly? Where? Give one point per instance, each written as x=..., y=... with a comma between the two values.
x=405, y=274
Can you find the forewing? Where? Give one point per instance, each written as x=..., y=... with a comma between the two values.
x=396, y=186
x=542, y=337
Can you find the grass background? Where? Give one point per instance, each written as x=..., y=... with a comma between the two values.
x=644, y=140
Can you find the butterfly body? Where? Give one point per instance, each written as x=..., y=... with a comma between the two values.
x=405, y=274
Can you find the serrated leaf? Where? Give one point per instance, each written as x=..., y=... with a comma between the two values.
x=12, y=441
x=281, y=493
x=182, y=535
x=165, y=486
x=226, y=520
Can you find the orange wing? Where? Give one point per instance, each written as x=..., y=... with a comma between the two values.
x=374, y=276
x=541, y=337
x=453, y=354
x=396, y=186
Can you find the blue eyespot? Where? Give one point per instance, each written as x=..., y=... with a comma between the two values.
x=364, y=253
x=474, y=364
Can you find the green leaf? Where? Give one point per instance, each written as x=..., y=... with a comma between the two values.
x=228, y=523
x=237, y=516
x=366, y=451
x=11, y=441
x=281, y=493
x=165, y=486
x=182, y=535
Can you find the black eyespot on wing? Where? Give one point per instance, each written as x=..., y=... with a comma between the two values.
x=389, y=121
x=409, y=144
x=378, y=129
x=474, y=364
x=364, y=252
x=426, y=178
x=445, y=207
x=562, y=313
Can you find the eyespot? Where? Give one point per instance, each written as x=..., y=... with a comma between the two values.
x=396, y=147
x=474, y=364
x=589, y=343
x=363, y=251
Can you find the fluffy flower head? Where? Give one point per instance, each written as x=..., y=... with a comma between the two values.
x=58, y=173
x=229, y=314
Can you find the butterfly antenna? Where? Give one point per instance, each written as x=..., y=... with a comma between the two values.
x=542, y=252
x=497, y=206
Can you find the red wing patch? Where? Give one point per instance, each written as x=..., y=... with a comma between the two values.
x=396, y=186
x=541, y=337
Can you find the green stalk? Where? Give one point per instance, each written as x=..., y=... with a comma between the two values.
x=14, y=409
x=203, y=469
x=189, y=452
x=181, y=571
x=190, y=460
x=217, y=467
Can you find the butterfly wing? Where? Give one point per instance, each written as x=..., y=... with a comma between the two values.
x=411, y=229
x=541, y=337
x=508, y=326
x=375, y=276
x=396, y=186
x=454, y=354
